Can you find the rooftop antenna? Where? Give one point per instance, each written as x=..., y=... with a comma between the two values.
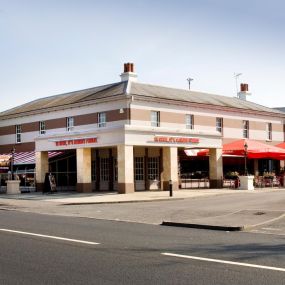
x=237, y=75
x=189, y=82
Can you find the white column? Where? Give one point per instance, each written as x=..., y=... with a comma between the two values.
x=41, y=169
x=169, y=168
x=125, y=169
x=83, y=163
x=216, y=168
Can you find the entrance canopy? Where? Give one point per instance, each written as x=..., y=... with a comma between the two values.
x=255, y=149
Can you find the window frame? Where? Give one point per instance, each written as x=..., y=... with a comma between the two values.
x=155, y=118
x=101, y=119
x=42, y=127
x=18, y=133
x=69, y=124
x=220, y=125
x=269, y=131
x=189, y=121
x=245, y=131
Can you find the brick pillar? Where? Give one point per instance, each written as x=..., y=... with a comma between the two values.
x=216, y=168
x=169, y=168
x=83, y=164
x=41, y=169
x=125, y=169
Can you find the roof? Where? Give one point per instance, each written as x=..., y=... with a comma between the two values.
x=67, y=99
x=138, y=89
x=282, y=109
x=197, y=97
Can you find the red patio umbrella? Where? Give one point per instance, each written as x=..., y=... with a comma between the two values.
x=282, y=145
x=255, y=149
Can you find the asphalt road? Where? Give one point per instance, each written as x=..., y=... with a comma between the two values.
x=132, y=253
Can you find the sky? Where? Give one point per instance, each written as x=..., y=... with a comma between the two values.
x=49, y=47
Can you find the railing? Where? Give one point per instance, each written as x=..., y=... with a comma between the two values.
x=188, y=181
x=263, y=181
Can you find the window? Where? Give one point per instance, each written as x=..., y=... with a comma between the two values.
x=153, y=168
x=269, y=131
x=69, y=123
x=104, y=169
x=245, y=129
x=219, y=125
x=189, y=121
x=101, y=120
x=42, y=127
x=155, y=119
x=18, y=133
x=139, y=168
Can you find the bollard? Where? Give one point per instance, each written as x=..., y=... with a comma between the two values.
x=170, y=188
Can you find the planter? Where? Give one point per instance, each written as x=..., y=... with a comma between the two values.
x=13, y=187
x=246, y=182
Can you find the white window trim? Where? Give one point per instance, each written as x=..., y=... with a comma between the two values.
x=18, y=133
x=69, y=125
x=189, y=121
x=101, y=120
x=155, y=121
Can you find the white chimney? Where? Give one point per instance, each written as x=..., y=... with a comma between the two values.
x=129, y=74
x=243, y=91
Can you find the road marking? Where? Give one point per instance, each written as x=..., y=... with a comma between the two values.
x=224, y=261
x=51, y=237
x=271, y=229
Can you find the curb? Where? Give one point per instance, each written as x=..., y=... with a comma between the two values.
x=119, y=202
x=205, y=227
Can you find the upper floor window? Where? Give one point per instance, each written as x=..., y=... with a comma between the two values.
x=101, y=120
x=219, y=125
x=245, y=129
x=189, y=121
x=155, y=118
x=42, y=127
x=269, y=131
x=69, y=123
x=18, y=133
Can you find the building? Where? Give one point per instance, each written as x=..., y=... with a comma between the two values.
x=129, y=136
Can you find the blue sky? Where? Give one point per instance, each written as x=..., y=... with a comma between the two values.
x=56, y=46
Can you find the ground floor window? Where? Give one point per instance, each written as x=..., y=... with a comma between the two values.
x=104, y=169
x=139, y=168
x=153, y=168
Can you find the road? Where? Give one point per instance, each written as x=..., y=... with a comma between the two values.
x=132, y=253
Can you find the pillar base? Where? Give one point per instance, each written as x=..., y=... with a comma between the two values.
x=214, y=183
x=40, y=187
x=84, y=187
x=13, y=187
x=124, y=188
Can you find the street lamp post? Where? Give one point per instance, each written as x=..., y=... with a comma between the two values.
x=12, y=162
x=245, y=159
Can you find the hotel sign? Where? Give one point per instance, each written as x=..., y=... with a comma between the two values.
x=165, y=139
x=76, y=141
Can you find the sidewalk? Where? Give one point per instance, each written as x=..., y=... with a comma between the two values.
x=220, y=209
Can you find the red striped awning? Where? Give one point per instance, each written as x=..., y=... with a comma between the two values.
x=28, y=157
